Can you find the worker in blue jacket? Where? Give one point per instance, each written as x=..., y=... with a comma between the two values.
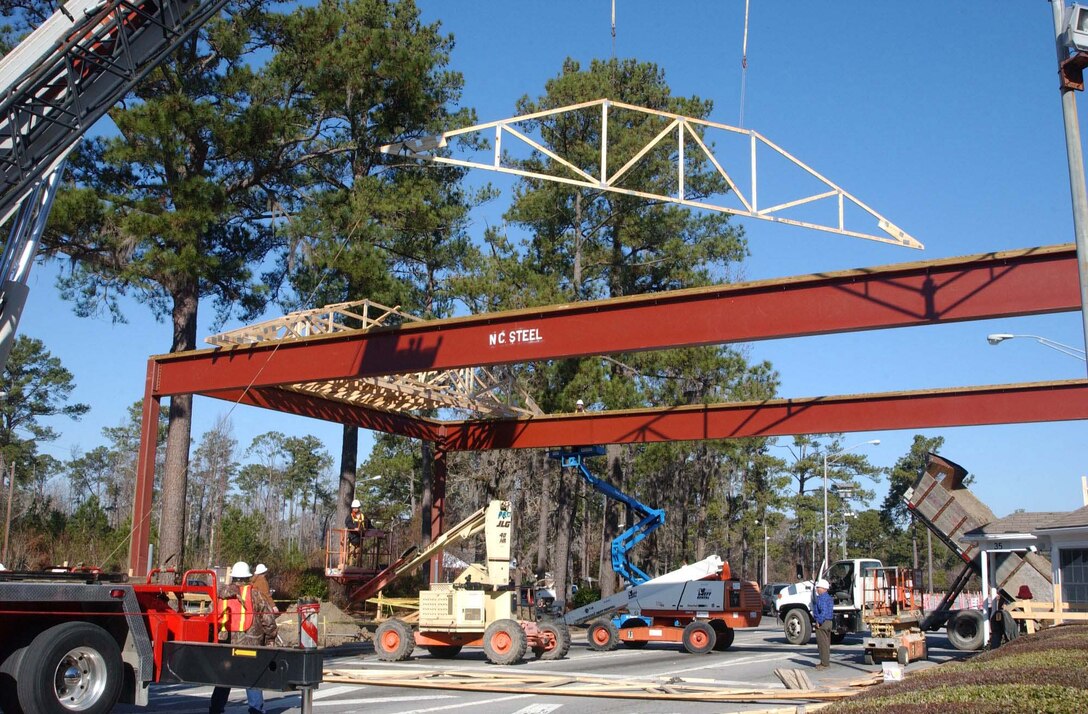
x=823, y=610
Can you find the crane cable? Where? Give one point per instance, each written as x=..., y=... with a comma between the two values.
x=743, y=64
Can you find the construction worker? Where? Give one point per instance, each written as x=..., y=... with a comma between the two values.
x=260, y=582
x=823, y=610
x=246, y=619
x=355, y=522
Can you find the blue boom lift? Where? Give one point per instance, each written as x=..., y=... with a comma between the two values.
x=650, y=518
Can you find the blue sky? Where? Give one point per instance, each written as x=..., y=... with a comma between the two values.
x=943, y=117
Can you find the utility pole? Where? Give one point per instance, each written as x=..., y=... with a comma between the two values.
x=1077, y=190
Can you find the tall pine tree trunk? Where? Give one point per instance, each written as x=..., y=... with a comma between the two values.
x=565, y=504
x=613, y=513
x=543, y=515
x=178, y=435
x=345, y=492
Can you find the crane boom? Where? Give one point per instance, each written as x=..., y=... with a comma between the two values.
x=54, y=85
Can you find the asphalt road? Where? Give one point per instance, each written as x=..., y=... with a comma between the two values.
x=750, y=662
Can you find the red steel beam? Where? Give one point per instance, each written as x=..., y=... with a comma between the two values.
x=999, y=404
x=1023, y=282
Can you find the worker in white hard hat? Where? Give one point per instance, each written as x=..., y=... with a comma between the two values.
x=823, y=611
x=579, y=406
x=356, y=524
x=260, y=583
x=247, y=619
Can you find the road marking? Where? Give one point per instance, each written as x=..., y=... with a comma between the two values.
x=186, y=692
x=387, y=700
x=728, y=663
x=335, y=691
x=538, y=709
x=469, y=704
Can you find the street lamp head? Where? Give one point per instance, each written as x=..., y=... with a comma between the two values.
x=874, y=442
x=1076, y=29
x=998, y=337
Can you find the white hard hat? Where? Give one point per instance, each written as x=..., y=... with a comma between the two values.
x=356, y=504
x=821, y=583
x=240, y=570
x=579, y=403
x=261, y=568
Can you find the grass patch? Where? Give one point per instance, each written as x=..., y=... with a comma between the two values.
x=1045, y=672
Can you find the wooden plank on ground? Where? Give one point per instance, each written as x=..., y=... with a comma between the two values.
x=580, y=685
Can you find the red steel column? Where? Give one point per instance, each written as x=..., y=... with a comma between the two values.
x=145, y=477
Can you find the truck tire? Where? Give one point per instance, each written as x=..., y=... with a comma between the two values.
x=965, y=630
x=724, y=635
x=837, y=637
x=394, y=641
x=560, y=634
x=443, y=651
x=902, y=656
x=699, y=637
x=74, y=666
x=9, y=668
x=797, y=626
x=504, y=642
x=602, y=636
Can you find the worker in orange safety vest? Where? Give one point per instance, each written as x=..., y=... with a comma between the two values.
x=246, y=618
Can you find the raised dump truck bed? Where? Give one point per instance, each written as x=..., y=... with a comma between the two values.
x=941, y=501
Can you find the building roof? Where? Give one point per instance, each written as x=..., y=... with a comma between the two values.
x=1021, y=522
x=1071, y=519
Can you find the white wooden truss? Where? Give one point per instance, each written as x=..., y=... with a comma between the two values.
x=841, y=212
x=479, y=390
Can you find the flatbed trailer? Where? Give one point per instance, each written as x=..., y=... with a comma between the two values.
x=85, y=641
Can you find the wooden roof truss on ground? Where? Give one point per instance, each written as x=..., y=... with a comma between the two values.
x=672, y=689
x=480, y=391
x=680, y=136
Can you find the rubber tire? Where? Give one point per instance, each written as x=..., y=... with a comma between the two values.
x=724, y=635
x=903, y=656
x=504, y=642
x=837, y=637
x=699, y=637
x=964, y=630
x=797, y=626
x=561, y=633
x=443, y=651
x=38, y=669
x=9, y=669
x=602, y=636
x=394, y=641
x=869, y=657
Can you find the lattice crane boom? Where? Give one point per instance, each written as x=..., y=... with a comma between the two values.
x=53, y=87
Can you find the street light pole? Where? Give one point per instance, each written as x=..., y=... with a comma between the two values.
x=874, y=442
x=1077, y=190
x=765, y=539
